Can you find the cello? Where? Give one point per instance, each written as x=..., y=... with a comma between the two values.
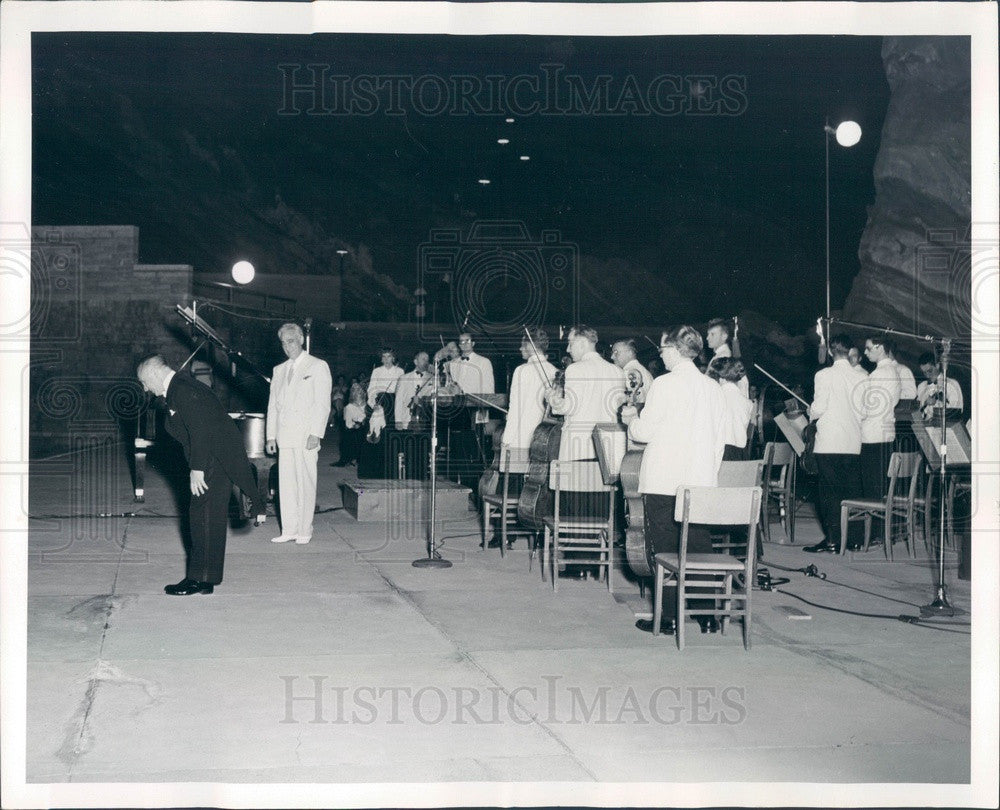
x=636, y=552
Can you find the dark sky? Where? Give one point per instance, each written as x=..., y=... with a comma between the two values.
x=698, y=173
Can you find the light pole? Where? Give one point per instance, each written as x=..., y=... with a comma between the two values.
x=342, y=253
x=848, y=133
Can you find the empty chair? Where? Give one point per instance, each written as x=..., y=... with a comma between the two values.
x=741, y=474
x=902, y=467
x=721, y=578
x=779, y=488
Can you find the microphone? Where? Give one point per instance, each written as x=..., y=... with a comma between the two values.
x=466, y=321
x=308, y=322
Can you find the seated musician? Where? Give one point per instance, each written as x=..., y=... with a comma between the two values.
x=354, y=426
x=593, y=391
x=728, y=371
x=683, y=425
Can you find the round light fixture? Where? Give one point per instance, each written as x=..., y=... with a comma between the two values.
x=848, y=133
x=484, y=182
x=243, y=272
x=503, y=141
x=510, y=120
x=525, y=157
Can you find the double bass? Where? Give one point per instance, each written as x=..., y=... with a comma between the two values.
x=636, y=552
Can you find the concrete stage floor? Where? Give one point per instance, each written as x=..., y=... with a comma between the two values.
x=339, y=662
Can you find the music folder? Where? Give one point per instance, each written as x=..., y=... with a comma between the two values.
x=792, y=429
x=956, y=437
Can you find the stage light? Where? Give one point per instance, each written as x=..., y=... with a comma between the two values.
x=243, y=272
x=510, y=120
x=503, y=141
x=525, y=157
x=484, y=182
x=848, y=133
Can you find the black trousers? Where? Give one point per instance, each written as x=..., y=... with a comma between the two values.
x=208, y=515
x=874, y=463
x=839, y=479
x=663, y=533
x=733, y=453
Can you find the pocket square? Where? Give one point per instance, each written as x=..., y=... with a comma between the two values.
x=172, y=411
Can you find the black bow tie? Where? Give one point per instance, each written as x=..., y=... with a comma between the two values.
x=464, y=358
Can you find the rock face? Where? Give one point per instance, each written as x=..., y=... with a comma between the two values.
x=914, y=252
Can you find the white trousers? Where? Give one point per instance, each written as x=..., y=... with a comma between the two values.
x=297, y=490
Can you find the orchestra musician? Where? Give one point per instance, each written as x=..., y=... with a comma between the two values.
x=719, y=338
x=637, y=377
x=728, y=371
x=526, y=399
x=384, y=379
x=683, y=425
x=407, y=388
x=593, y=391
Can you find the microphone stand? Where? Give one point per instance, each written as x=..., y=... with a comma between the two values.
x=433, y=558
x=940, y=606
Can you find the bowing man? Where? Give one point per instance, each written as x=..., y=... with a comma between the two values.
x=215, y=453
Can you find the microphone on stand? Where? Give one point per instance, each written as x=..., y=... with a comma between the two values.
x=466, y=321
x=821, y=355
x=307, y=323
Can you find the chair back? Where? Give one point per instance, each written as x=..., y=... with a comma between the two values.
x=514, y=460
x=576, y=476
x=610, y=444
x=718, y=506
x=782, y=453
x=741, y=473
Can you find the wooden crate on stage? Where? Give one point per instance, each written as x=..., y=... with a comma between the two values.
x=377, y=500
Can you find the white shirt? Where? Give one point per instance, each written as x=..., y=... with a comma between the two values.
x=838, y=421
x=354, y=415
x=474, y=375
x=638, y=379
x=527, y=401
x=593, y=392
x=878, y=398
x=927, y=389
x=742, y=383
x=383, y=380
x=739, y=409
x=684, y=427
x=907, y=382
x=406, y=388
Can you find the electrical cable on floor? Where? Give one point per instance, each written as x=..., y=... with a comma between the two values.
x=812, y=571
x=914, y=620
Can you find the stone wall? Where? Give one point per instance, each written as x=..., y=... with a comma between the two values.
x=915, y=250
x=94, y=313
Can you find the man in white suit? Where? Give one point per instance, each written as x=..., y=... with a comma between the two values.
x=297, y=413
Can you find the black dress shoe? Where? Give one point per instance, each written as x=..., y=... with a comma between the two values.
x=667, y=626
x=494, y=543
x=709, y=624
x=821, y=548
x=186, y=587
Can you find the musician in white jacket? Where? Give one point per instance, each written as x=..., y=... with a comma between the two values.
x=684, y=427
x=297, y=412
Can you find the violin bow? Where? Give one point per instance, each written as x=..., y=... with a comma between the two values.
x=541, y=369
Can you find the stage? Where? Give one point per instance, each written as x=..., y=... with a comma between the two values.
x=339, y=662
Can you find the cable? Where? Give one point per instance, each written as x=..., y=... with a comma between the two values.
x=913, y=620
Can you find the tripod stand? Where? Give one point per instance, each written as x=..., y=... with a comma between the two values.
x=433, y=558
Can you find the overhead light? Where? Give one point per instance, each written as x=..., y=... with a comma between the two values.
x=484, y=182
x=342, y=252
x=503, y=141
x=848, y=133
x=243, y=272
x=510, y=120
x=525, y=157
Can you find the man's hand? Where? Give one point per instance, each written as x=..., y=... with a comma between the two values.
x=198, y=485
x=312, y=443
x=629, y=412
x=271, y=447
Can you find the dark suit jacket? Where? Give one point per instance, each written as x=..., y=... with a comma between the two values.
x=198, y=421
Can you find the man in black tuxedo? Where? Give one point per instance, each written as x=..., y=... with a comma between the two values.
x=214, y=451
